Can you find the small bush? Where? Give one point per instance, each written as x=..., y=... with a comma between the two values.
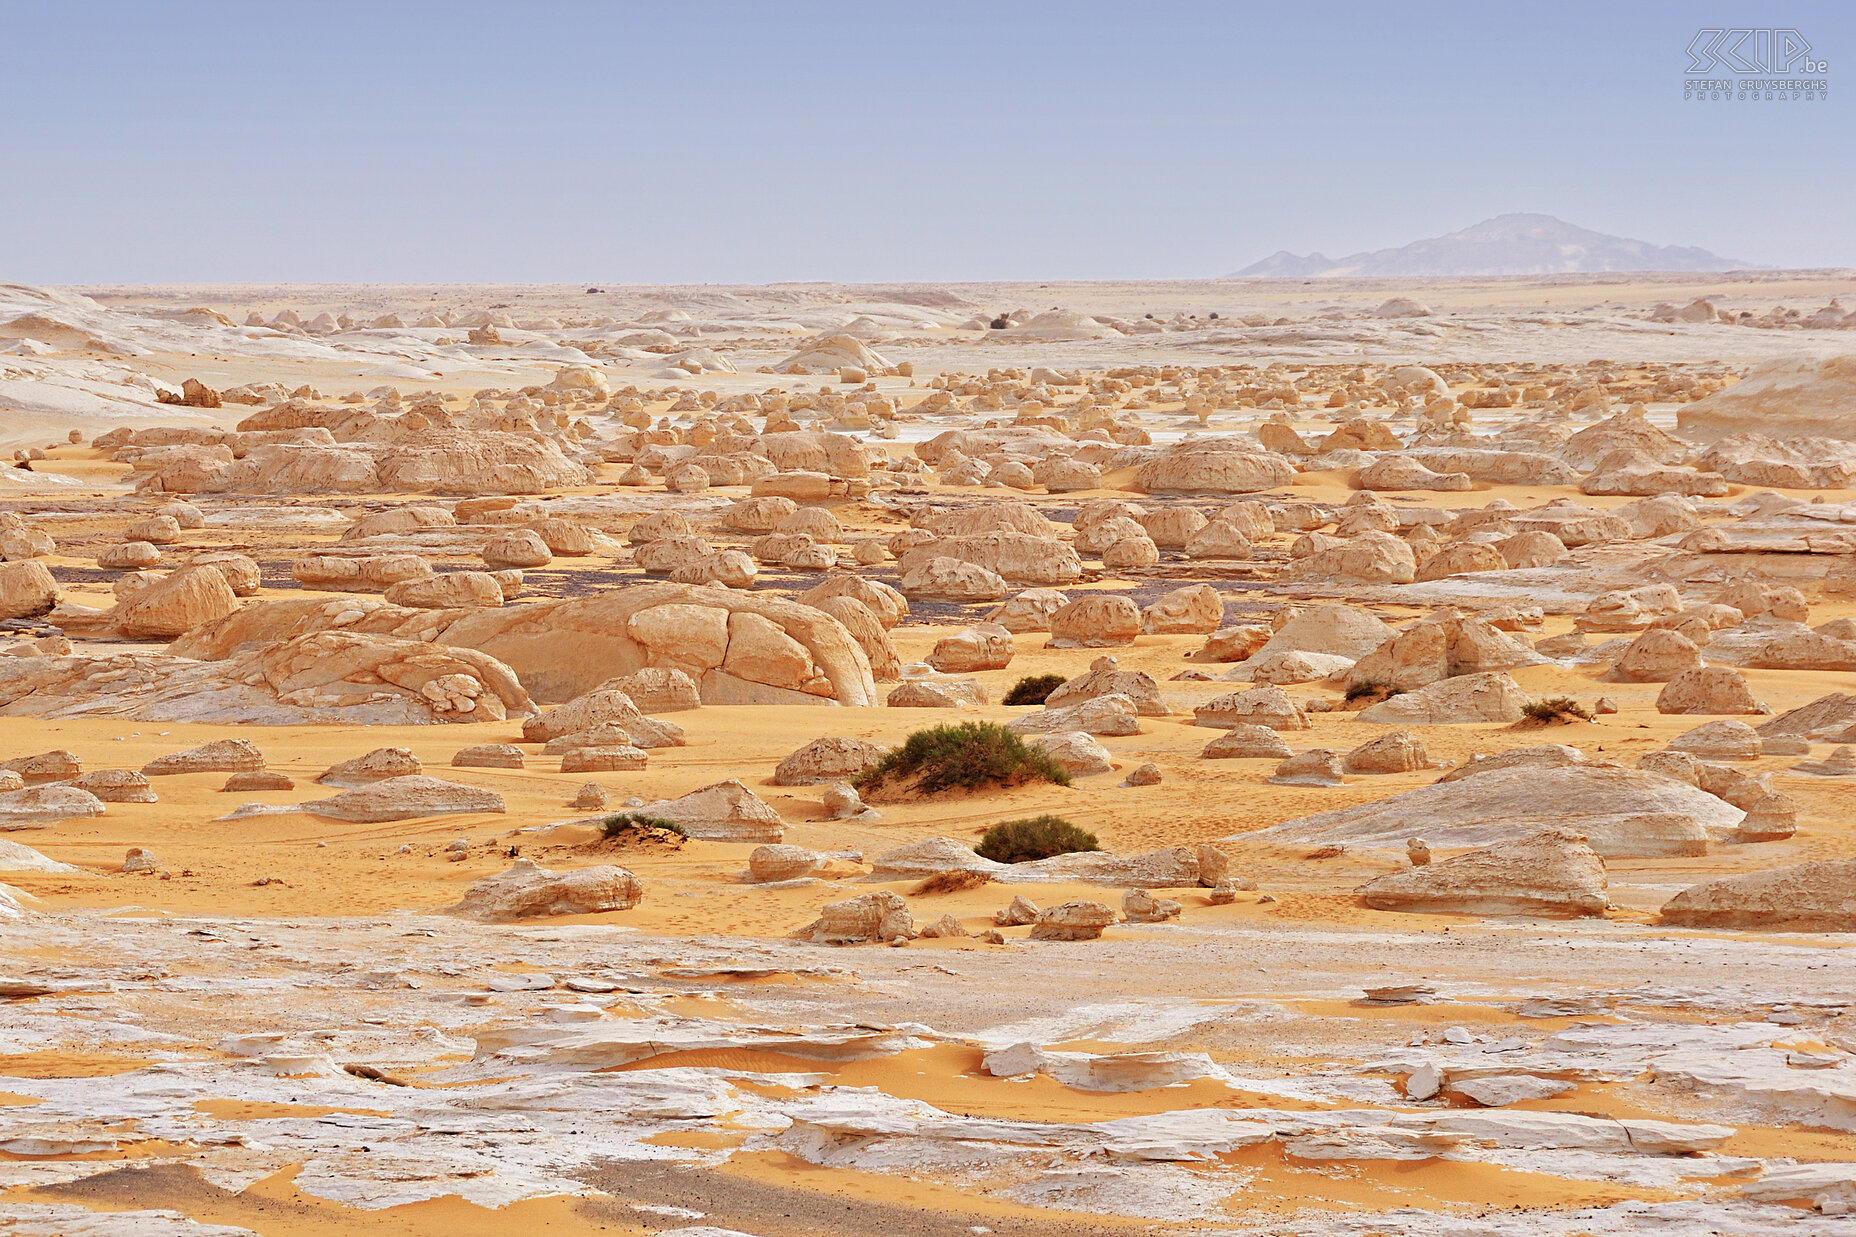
x=1034, y=689
x=955, y=880
x=638, y=825
x=1372, y=690
x=966, y=756
x=1556, y=707
x=1021, y=841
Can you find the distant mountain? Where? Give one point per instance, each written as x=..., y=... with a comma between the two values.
x=1504, y=245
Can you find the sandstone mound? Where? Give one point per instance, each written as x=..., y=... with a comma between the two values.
x=827, y=759
x=1213, y=466
x=725, y=811
x=1503, y=804
x=1491, y=697
x=528, y=891
x=1806, y=897
x=1788, y=397
x=375, y=766
x=405, y=798
x=219, y=756
x=1550, y=873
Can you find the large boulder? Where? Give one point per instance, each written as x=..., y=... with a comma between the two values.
x=1073, y=921
x=360, y=677
x=1785, y=397
x=1491, y=697
x=1104, y=678
x=870, y=917
x=528, y=891
x=1215, y=466
x=985, y=647
x=376, y=766
x=1340, y=630
x=829, y=758
x=725, y=811
x=1370, y=558
x=184, y=600
x=26, y=589
x=365, y=574
x=944, y=577
x=1554, y=873
x=1016, y=558
x=410, y=797
x=1095, y=620
x=1657, y=656
x=1432, y=650
x=218, y=756
x=1103, y=715
x=453, y=590
x=1707, y=689
x=1806, y=897
x=1197, y=609
x=1266, y=705
x=739, y=647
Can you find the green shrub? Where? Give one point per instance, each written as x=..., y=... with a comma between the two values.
x=1556, y=707
x=1034, y=689
x=966, y=756
x=1021, y=841
x=636, y=824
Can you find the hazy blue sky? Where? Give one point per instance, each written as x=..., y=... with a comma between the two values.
x=537, y=142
